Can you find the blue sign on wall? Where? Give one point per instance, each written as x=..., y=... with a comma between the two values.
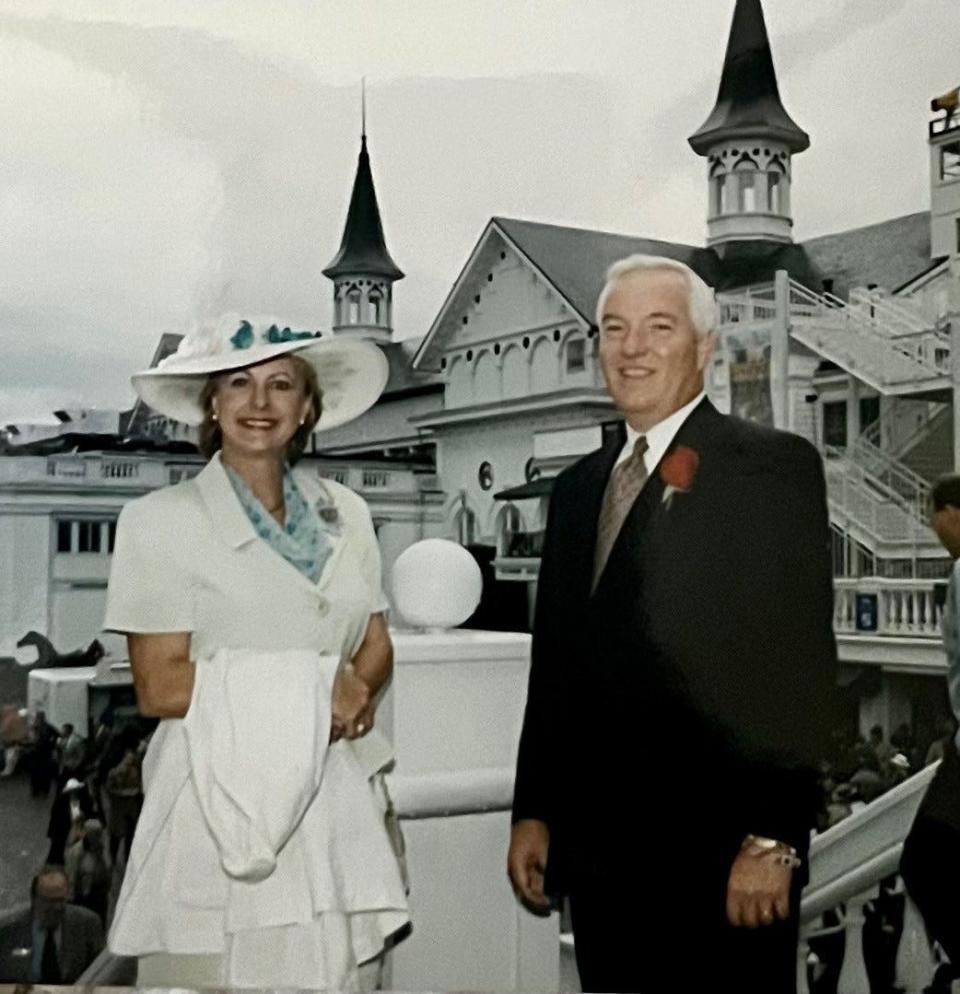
x=868, y=615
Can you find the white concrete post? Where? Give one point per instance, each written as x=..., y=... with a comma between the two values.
x=780, y=352
x=915, y=963
x=954, y=317
x=853, y=975
x=853, y=409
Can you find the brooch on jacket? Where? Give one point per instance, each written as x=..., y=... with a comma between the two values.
x=678, y=470
x=327, y=512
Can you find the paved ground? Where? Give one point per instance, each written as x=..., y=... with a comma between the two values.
x=23, y=838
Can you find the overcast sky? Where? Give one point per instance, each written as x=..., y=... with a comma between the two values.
x=167, y=160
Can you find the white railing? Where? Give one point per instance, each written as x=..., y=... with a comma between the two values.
x=891, y=343
x=847, y=864
x=906, y=608
x=883, y=515
x=753, y=305
x=901, y=482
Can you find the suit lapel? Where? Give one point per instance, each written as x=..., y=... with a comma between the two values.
x=697, y=433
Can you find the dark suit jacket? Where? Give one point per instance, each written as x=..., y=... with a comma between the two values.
x=81, y=942
x=688, y=701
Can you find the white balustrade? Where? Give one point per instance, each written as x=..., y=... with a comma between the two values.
x=906, y=608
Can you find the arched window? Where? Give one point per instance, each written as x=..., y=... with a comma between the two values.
x=353, y=307
x=746, y=170
x=717, y=178
x=576, y=355
x=376, y=308
x=775, y=188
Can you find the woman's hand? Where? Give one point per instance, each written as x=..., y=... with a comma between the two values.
x=353, y=706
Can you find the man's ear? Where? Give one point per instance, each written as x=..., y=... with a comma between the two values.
x=706, y=344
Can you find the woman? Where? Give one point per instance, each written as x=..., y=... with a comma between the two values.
x=245, y=566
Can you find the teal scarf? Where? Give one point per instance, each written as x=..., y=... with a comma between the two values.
x=302, y=539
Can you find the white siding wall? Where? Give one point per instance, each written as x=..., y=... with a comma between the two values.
x=24, y=567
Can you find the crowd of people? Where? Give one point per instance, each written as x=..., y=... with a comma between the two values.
x=97, y=794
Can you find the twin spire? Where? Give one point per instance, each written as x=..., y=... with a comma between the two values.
x=362, y=271
x=748, y=103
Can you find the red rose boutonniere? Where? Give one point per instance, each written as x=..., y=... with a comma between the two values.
x=678, y=470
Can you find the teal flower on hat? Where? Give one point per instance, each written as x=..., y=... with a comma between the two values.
x=243, y=337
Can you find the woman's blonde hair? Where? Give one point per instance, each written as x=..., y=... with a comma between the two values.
x=211, y=437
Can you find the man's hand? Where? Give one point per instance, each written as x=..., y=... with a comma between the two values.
x=758, y=890
x=527, y=862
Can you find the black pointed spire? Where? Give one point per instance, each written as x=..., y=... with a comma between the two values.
x=748, y=104
x=363, y=250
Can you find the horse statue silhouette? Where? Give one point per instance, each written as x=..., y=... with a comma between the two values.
x=49, y=658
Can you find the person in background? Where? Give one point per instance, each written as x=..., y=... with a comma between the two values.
x=72, y=752
x=71, y=808
x=42, y=758
x=124, y=788
x=87, y=870
x=52, y=943
x=930, y=864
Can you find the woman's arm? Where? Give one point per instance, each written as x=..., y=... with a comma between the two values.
x=162, y=673
x=356, y=686
x=373, y=661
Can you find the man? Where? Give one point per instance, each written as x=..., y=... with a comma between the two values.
x=72, y=753
x=56, y=942
x=684, y=595
x=71, y=807
x=930, y=864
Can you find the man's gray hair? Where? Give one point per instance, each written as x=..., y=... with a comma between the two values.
x=701, y=303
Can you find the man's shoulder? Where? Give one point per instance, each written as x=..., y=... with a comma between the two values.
x=762, y=447
x=76, y=916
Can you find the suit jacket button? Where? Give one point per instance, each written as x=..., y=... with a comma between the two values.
x=323, y=607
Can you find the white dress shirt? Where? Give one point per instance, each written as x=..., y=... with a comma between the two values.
x=659, y=436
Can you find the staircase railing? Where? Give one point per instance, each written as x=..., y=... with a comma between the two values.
x=847, y=864
x=883, y=428
x=895, y=345
x=880, y=512
x=901, y=482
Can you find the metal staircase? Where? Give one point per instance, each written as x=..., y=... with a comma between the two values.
x=886, y=343
x=878, y=503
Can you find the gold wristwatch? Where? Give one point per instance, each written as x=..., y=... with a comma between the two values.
x=780, y=852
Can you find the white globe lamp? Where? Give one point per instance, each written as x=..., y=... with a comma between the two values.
x=436, y=584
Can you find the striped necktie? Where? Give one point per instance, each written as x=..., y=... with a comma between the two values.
x=625, y=483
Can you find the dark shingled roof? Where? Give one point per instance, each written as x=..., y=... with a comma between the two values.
x=403, y=378
x=575, y=260
x=890, y=254
x=748, y=103
x=363, y=250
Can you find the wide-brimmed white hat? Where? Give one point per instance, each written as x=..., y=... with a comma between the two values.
x=351, y=373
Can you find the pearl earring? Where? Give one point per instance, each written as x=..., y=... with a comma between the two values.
x=213, y=416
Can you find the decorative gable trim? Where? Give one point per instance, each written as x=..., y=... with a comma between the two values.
x=428, y=355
